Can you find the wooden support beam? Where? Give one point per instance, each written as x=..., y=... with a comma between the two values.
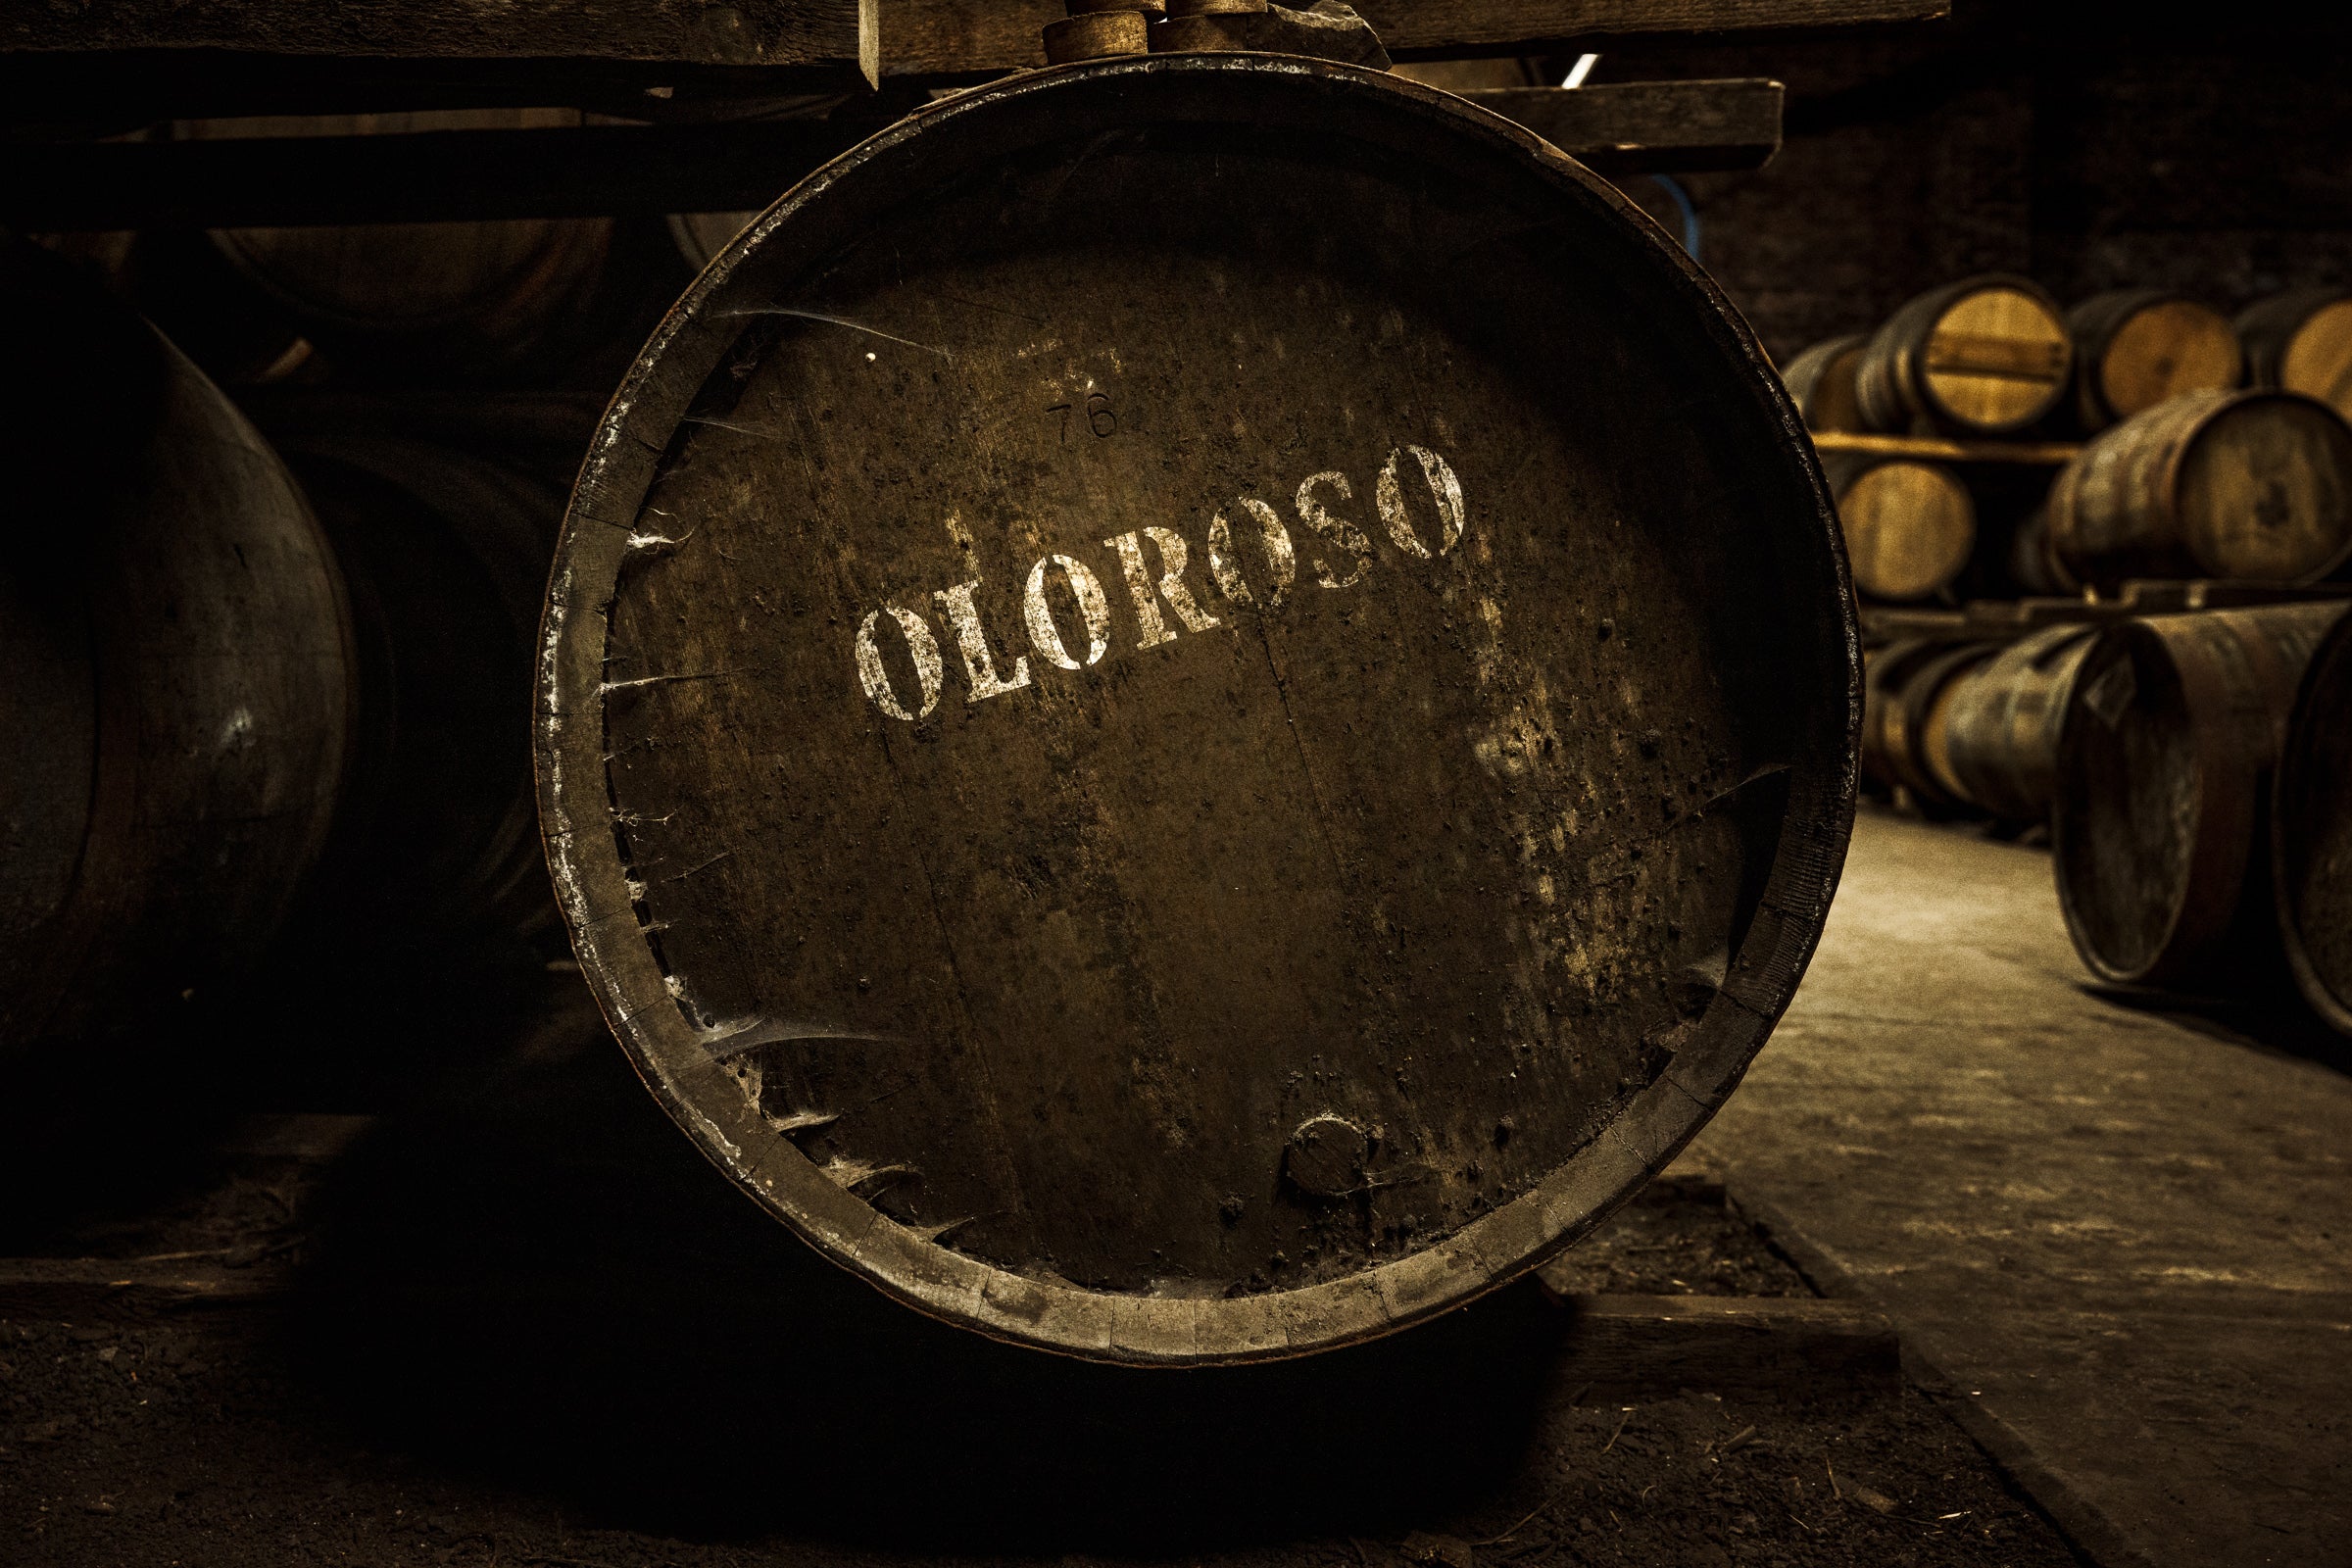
x=129, y=61
x=946, y=38
x=1650, y=126
x=822, y=33
x=421, y=177
x=625, y=171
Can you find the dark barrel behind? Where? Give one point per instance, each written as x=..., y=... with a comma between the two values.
x=2311, y=833
x=176, y=673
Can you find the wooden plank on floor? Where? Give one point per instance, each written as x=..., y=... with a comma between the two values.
x=1651, y=1345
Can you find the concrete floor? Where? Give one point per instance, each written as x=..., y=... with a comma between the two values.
x=2123, y=1237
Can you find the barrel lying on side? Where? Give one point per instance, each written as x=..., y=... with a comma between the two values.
x=2137, y=347
x=2301, y=341
x=1987, y=356
x=1906, y=723
x=434, y=854
x=2311, y=833
x=2252, y=486
x=176, y=673
x=2164, y=762
x=1821, y=384
x=455, y=299
x=1910, y=527
x=1158, y=766
x=2001, y=727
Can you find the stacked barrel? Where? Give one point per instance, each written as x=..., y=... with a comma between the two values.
x=2172, y=712
x=267, y=697
x=2211, y=450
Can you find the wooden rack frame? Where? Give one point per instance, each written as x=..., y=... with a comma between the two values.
x=162, y=58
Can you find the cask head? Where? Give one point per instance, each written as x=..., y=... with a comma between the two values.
x=1193, y=708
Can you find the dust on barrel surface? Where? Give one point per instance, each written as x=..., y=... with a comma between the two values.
x=1192, y=707
x=2311, y=833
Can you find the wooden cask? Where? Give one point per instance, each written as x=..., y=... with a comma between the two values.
x=2165, y=760
x=1906, y=725
x=2251, y=486
x=2311, y=833
x=2137, y=347
x=434, y=854
x=1158, y=766
x=2000, y=731
x=456, y=299
x=1986, y=356
x=702, y=236
x=174, y=670
x=1910, y=527
x=1821, y=384
x=2301, y=341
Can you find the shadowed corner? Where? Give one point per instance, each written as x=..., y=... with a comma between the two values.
x=534, y=1279
x=2271, y=1019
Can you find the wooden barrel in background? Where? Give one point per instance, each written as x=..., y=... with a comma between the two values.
x=1986, y=356
x=2311, y=833
x=452, y=298
x=1910, y=527
x=702, y=236
x=176, y=673
x=2137, y=347
x=2163, y=766
x=1821, y=384
x=2000, y=731
x=1906, y=726
x=2034, y=564
x=435, y=849
x=1250, y=781
x=2253, y=486
x=2301, y=341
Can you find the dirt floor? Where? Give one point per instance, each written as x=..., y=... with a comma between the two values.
x=523, y=1324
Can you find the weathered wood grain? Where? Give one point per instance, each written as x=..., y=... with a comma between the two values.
x=1161, y=722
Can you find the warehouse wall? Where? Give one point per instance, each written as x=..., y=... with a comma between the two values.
x=2087, y=147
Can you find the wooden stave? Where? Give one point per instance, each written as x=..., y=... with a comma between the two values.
x=2113, y=511
x=1821, y=384
x=218, y=678
x=908, y=1267
x=2308, y=830
x=1890, y=383
x=1846, y=471
x=2228, y=680
x=2005, y=719
x=2093, y=325
x=2269, y=326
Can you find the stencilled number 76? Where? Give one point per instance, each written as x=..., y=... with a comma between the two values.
x=1099, y=418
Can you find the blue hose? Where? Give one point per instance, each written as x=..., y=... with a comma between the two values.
x=1682, y=201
